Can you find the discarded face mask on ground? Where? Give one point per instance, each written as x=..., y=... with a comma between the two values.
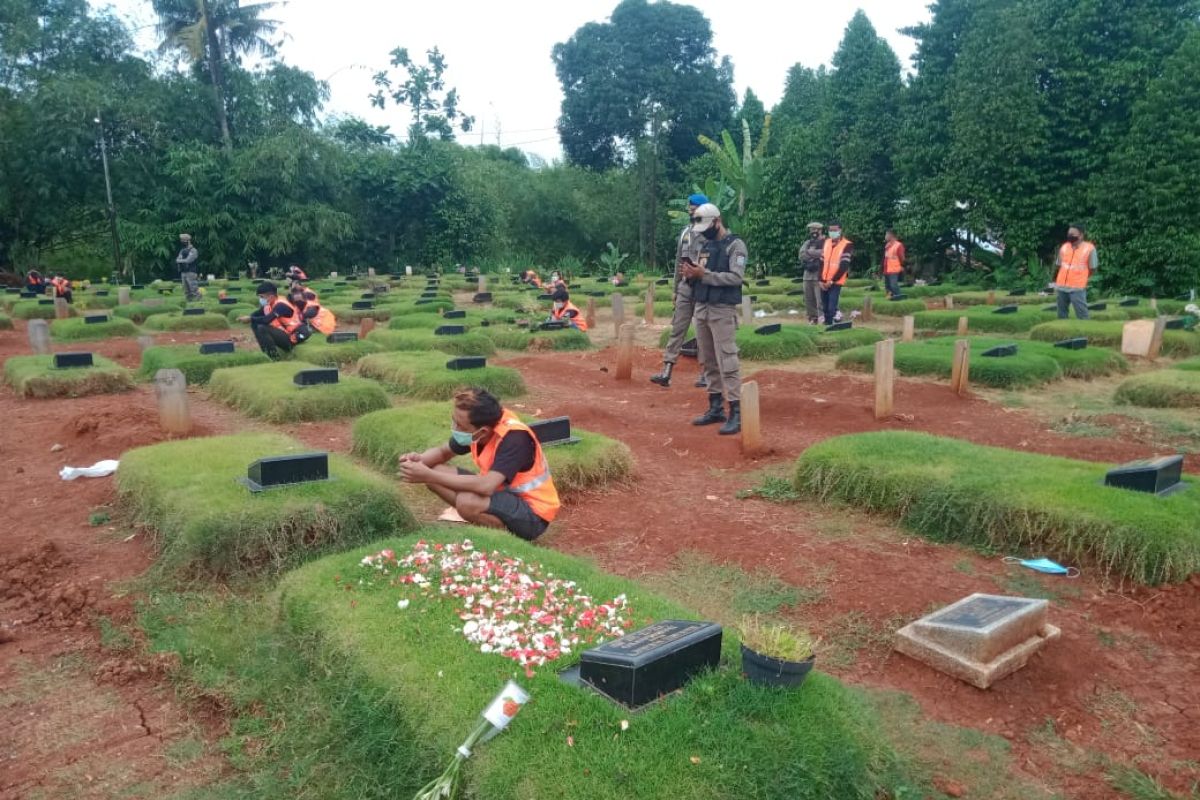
x=1044, y=565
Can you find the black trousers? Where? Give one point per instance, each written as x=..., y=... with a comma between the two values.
x=272, y=339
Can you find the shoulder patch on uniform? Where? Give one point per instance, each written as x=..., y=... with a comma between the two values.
x=739, y=261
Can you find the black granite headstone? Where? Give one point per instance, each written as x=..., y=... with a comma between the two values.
x=212, y=348
x=753, y=298
x=71, y=360
x=545, y=298
x=362, y=305
x=316, y=377
x=838, y=326
x=137, y=286
x=1160, y=476
x=453, y=314
x=1097, y=306
x=428, y=295
x=46, y=301
x=554, y=325
x=794, y=292
x=485, y=323
x=284, y=470
x=1017, y=293
x=450, y=330
x=762, y=283
x=1005, y=310
x=898, y=296
x=193, y=312
x=1175, y=324
x=556, y=430
x=227, y=301
x=341, y=337
x=29, y=295
x=1000, y=351
x=690, y=348
x=482, y=297
x=663, y=282
x=95, y=319
x=12, y=290
x=1078, y=343
x=424, y=301
x=340, y=283
x=766, y=330
x=797, y=280
x=1128, y=302
x=102, y=293
x=645, y=665
x=466, y=362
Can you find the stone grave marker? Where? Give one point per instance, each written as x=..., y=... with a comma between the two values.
x=38, y=331
x=482, y=297
x=170, y=390
x=273, y=471
x=1017, y=293
x=1136, y=337
x=1175, y=324
x=449, y=330
x=1011, y=309
x=838, y=326
x=452, y=314
x=362, y=305
x=1078, y=343
x=316, y=377
x=466, y=362
x=72, y=360
x=767, y=330
x=212, y=348
x=1097, y=306
x=979, y=639
x=1128, y=302
x=647, y=664
x=1000, y=351
x=46, y=301
x=341, y=337
x=95, y=319
x=1160, y=476
x=553, y=431
x=227, y=301
x=193, y=312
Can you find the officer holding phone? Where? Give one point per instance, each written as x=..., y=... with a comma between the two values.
x=687, y=252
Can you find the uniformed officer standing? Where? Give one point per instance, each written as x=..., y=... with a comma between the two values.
x=686, y=251
x=718, y=293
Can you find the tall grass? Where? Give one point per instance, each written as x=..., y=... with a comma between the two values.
x=1176, y=388
x=1009, y=501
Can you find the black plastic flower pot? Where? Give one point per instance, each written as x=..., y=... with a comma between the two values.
x=767, y=671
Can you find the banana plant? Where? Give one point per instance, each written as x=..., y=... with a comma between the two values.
x=716, y=190
x=741, y=171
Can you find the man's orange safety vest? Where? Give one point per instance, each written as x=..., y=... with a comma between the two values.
x=324, y=321
x=561, y=313
x=833, y=260
x=891, y=258
x=286, y=324
x=1073, y=261
x=534, y=486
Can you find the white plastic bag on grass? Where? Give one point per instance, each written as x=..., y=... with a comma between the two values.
x=98, y=470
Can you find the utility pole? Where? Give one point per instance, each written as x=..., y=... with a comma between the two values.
x=112, y=209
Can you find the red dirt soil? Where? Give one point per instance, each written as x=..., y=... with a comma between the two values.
x=57, y=572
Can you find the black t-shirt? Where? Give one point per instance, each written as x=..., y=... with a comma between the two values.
x=515, y=454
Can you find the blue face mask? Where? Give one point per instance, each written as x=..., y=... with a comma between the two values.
x=461, y=438
x=1044, y=565
x=262, y=301
x=835, y=234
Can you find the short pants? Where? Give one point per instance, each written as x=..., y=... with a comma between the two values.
x=515, y=513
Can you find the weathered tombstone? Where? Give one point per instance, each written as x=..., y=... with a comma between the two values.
x=1137, y=336
x=618, y=310
x=981, y=638
x=991, y=297
x=949, y=302
x=466, y=362
x=333, y=275
x=910, y=323
x=341, y=337
x=747, y=312
x=266, y=473
x=72, y=360
x=659, y=659
x=145, y=342
x=767, y=330
x=649, y=310
x=553, y=431
x=315, y=377
x=1160, y=476
x=962, y=326
x=885, y=378
x=482, y=285
x=590, y=315
x=1153, y=303
x=170, y=389
x=39, y=336
x=624, y=351
x=868, y=308
x=752, y=439
x=370, y=272
x=449, y=330
x=213, y=348
x=1000, y=351
x=61, y=309
x=960, y=370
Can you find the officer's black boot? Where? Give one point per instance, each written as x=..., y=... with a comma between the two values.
x=734, y=425
x=714, y=414
x=701, y=381
x=663, y=378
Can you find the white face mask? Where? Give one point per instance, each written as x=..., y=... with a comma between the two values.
x=559, y=306
x=835, y=234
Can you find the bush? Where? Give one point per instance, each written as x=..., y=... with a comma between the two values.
x=1177, y=388
x=471, y=343
x=1008, y=501
x=200, y=322
x=1108, y=334
x=721, y=737
x=79, y=330
x=384, y=436
x=424, y=376
x=537, y=341
x=320, y=352
x=206, y=523
x=36, y=376
x=139, y=312
x=196, y=368
x=266, y=391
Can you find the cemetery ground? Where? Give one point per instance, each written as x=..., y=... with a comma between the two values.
x=97, y=701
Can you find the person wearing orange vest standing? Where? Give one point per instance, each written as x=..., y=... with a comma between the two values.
x=566, y=311
x=835, y=266
x=1076, y=262
x=513, y=488
x=276, y=324
x=893, y=262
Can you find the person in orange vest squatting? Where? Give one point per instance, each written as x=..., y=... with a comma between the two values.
x=62, y=287
x=835, y=265
x=1076, y=262
x=513, y=488
x=315, y=315
x=566, y=311
x=893, y=262
x=276, y=323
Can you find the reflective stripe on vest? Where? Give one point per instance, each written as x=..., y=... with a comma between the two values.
x=832, y=260
x=535, y=486
x=561, y=313
x=1073, y=261
x=891, y=259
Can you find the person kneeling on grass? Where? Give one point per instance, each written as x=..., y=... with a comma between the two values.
x=315, y=315
x=276, y=324
x=513, y=488
x=566, y=311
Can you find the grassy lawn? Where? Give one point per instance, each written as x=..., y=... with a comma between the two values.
x=424, y=376
x=1168, y=388
x=267, y=391
x=196, y=368
x=78, y=329
x=37, y=377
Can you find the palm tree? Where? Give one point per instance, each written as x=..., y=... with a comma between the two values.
x=208, y=32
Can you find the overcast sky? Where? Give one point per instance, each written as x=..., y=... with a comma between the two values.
x=499, y=52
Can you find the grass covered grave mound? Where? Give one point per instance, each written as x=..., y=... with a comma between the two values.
x=37, y=377
x=204, y=522
x=140, y=312
x=78, y=329
x=1108, y=334
x=721, y=737
x=267, y=391
x=1009, y=501
x=506, y=338
x=1168, y=388
x=180, y=322
x=1191, y=364
x=382, y=437
x=424, y=376
x=196, y=368
x=320, y=352
x=791, y=341
x=348, y=315
x=838, y=341
x=464, y=344
x=982, y=319
x=32, y=309
x=1035, y=362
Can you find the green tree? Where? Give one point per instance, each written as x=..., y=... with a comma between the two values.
x=422, y=89
x=753, y=113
